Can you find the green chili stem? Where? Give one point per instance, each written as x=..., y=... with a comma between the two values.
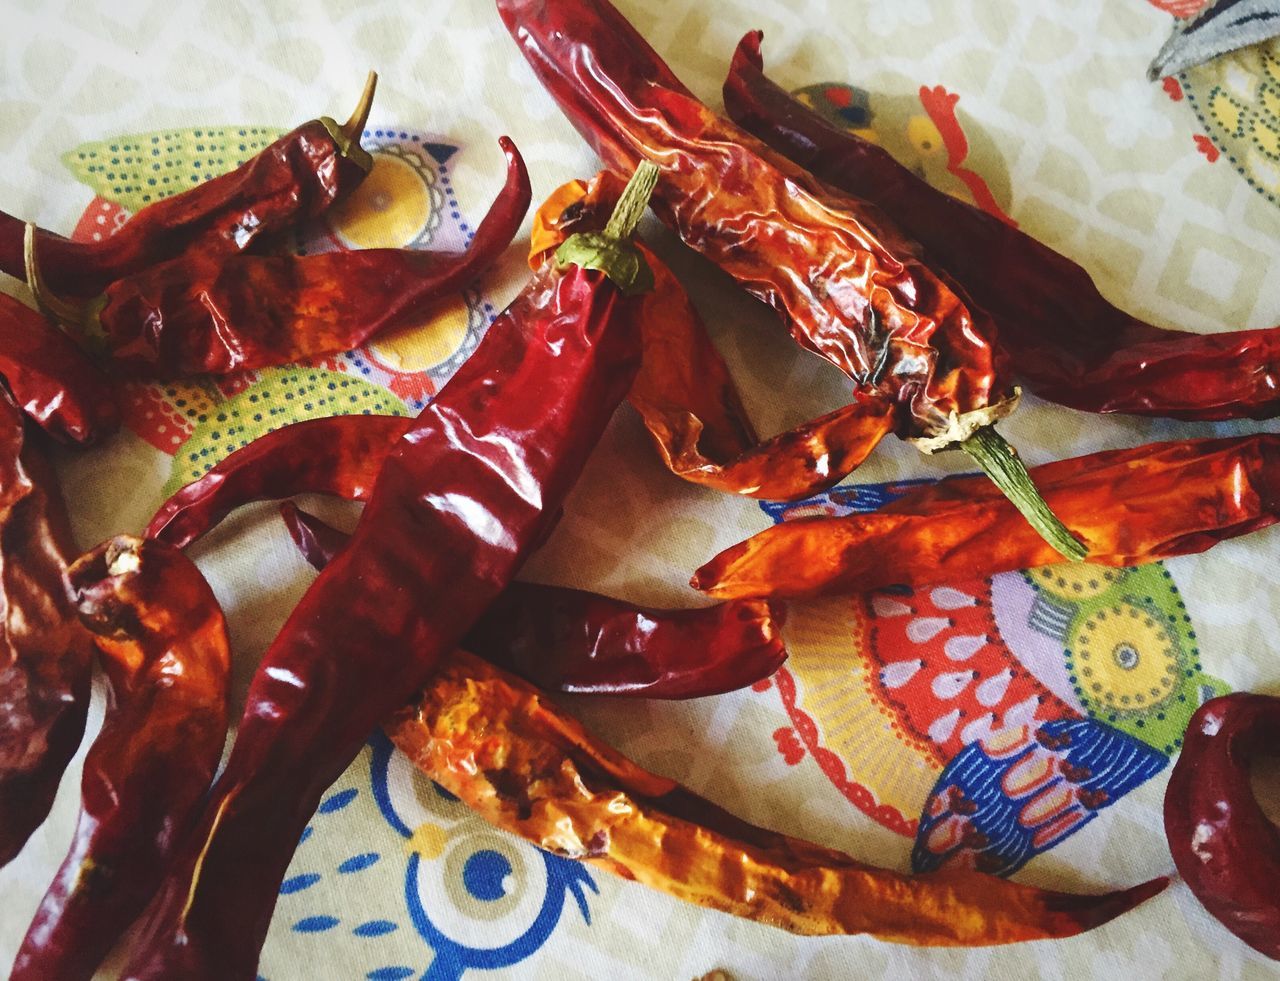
x=611, y=251
x=1001, y=463
x=635, y=198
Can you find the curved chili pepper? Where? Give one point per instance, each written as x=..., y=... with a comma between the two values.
x=163, y=644
x=527, y=767
x=686, y=396
x=579, y=642
x=1064, y=339
x=1225, y=847
x=458, y=506
x=197, y=315
x=45, y=655
x=48, y=376
x=1131, y=506
x=297, y=177
x=849, y=284
x=337, y=455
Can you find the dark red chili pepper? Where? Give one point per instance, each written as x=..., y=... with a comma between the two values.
x=196, y=314
x=459, y=504
x=1225, y=847
x=848, y=283
x=686, y=396
x=297, y=177
x=1131, y=506
x=163, y=644
x=1069, y=344
x=337, y=455
x=48, y=376
x=45, y=655
x=573, y=641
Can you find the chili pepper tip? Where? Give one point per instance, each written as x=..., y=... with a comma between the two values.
x=51, y=305
x=1001, y=463
x=353, y=128
x=610, y=251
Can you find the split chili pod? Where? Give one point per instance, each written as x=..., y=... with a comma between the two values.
x=297, y=177
x=1065, y=340
x=1224, y=845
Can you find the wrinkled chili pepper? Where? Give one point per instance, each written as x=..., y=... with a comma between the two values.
x=848, y=284
x=686, y=396
x=1064, y=339
x=162, y=641
x=337, y=455
x=459, y=504
x=297, y=177
x=45, y=654
x=574, y=641
x=1131, y=506
x=1225, y=846
x=527, y=767
x=200, y=315
x=48, y=376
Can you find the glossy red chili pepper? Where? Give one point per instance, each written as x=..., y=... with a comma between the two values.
x=297, y=177
x=1064, y=339
x=1131, y=506
x=197, y=315
x=849, y=284
x=337, y=455
x=458, y=506
x=1225, y=847
x=45, y=655
x=686, y=396
x=528, y=767
x=574, y=641
x=163, y=644
x=48, y=376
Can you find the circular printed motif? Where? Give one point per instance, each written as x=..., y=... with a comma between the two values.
x=1125, y=659
x=440, y=343
x=399, y=205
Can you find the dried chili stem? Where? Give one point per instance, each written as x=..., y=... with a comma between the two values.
x=1001, y=463
x=63, y=311
x=608, y=251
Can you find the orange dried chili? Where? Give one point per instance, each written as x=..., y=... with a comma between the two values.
x=1131, y=506
x=162, y=642
x=527, y=767
x=297, y=177
x=686, y=396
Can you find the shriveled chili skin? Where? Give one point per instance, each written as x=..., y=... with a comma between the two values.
x=213, y=315
x=297, y=177
x=1067, y=342
x=162, y=642
x=848, y=284
x=58, y=388
x=1130, y=506
x=456, y=509
x=45, y=654
x=527, y=767
x=575, y=641
x=338, y=455
x=686, y=396
x=1226, y=848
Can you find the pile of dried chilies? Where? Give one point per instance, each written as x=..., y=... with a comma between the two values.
x=415, y=618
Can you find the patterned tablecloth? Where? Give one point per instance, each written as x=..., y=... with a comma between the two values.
x=1166, y=193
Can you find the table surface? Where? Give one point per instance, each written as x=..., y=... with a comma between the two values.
x=1148, y=185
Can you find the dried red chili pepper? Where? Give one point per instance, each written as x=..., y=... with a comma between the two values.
x=574, y=641
x=1065, y=340
x=1225, y=847
x=337, y=455
x=458, y=506
x=1131, y=506
x=163, y=644
x=48, y=376
x=213, y=315
x=849, y=285
x=527, y=767
x=45, y=655
x=687, y=398
x=297, y=177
